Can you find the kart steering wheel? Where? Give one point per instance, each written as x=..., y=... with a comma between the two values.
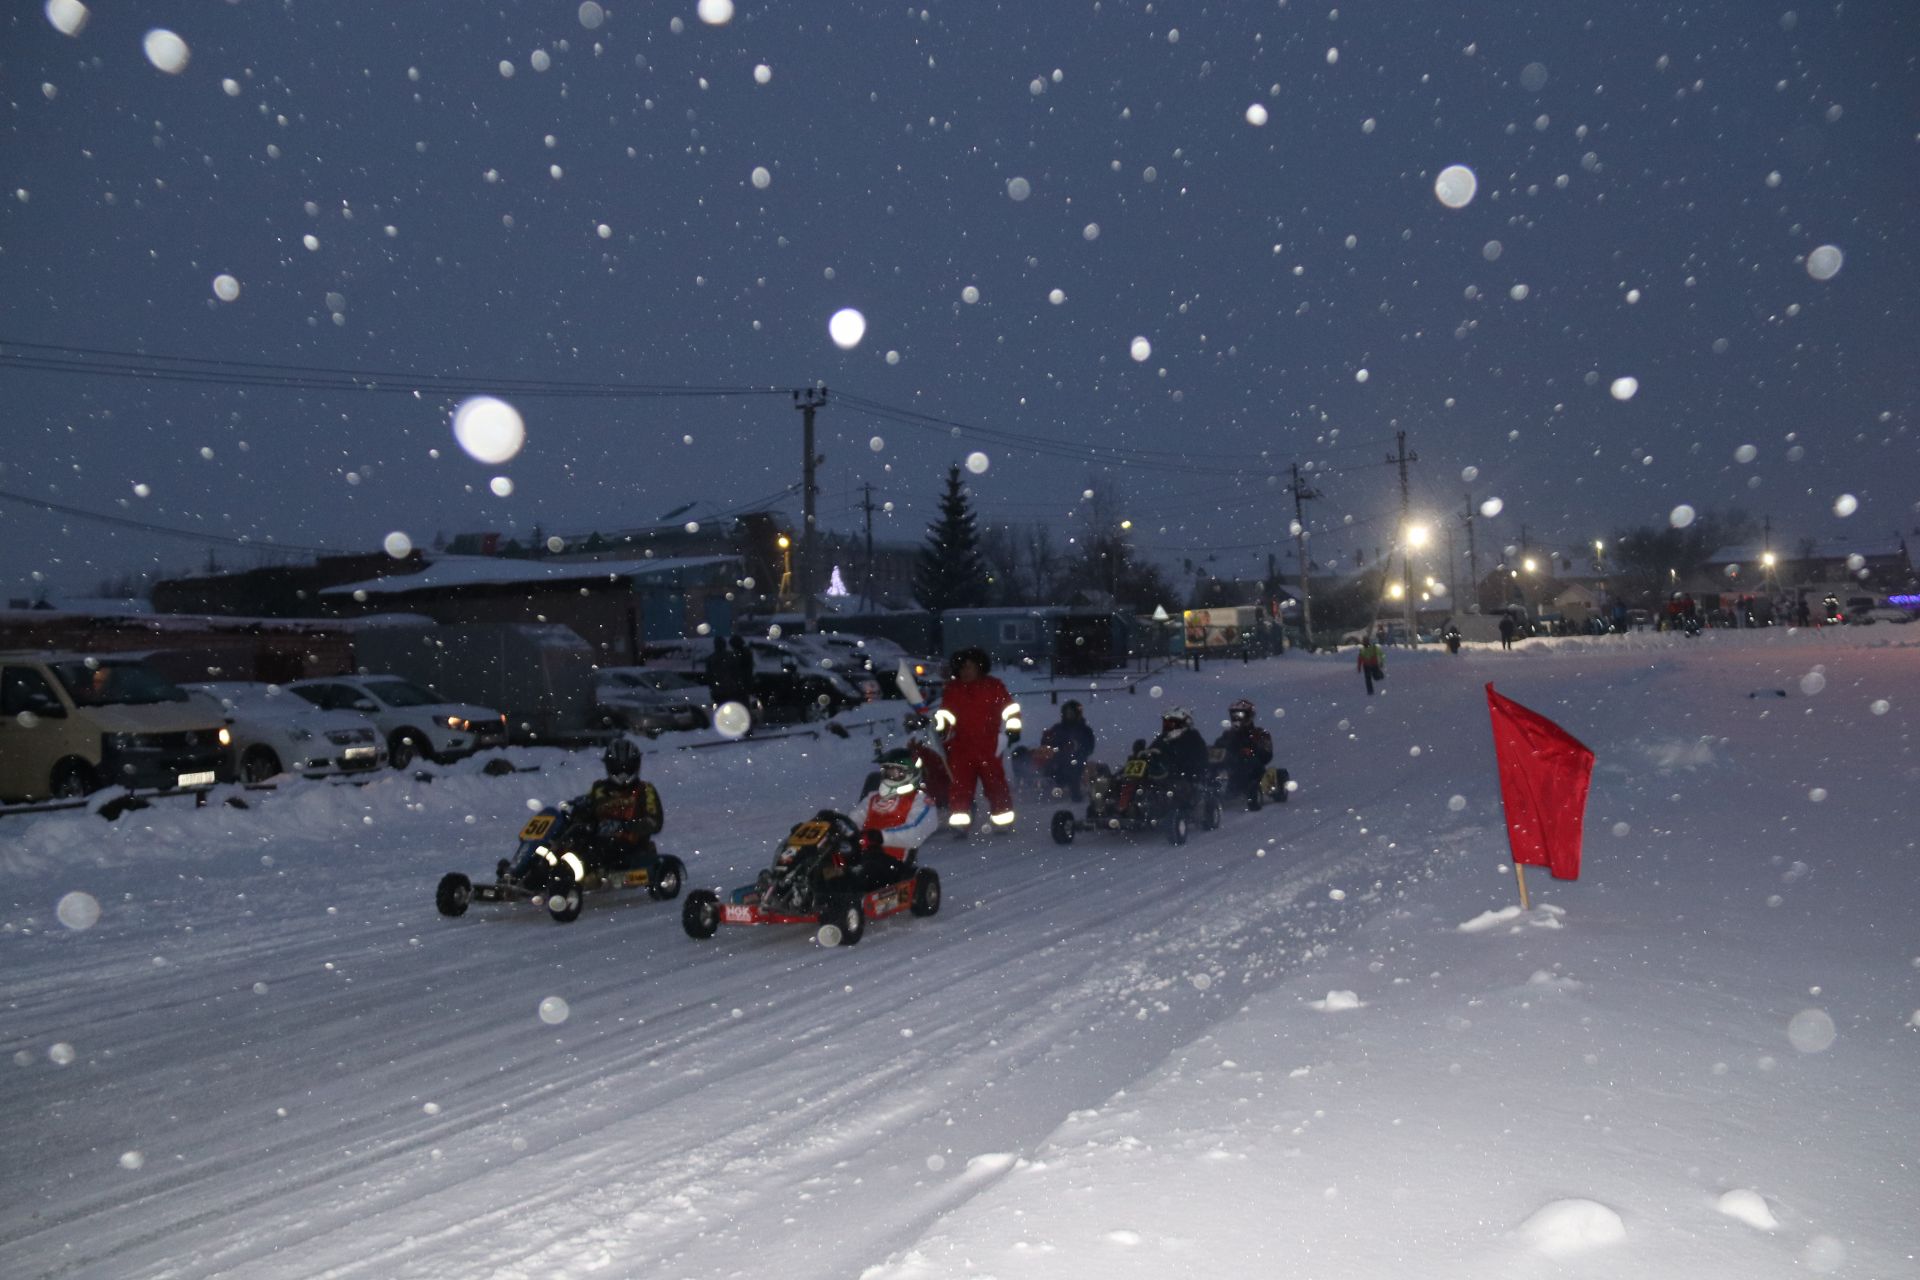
x=846, y=825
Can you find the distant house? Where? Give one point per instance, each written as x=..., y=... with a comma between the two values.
x=614, y=605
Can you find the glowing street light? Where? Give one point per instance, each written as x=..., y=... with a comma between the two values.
x=1417, y=535
x=1530, y=565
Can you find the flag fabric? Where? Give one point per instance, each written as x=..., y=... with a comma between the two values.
x=1544, y=775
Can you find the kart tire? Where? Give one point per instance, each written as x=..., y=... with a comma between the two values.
x=1063, y=827
x=849, y=917
x=454, y=893
x=926, y=892
x=1280, y=788
x=1177, y=829
x=700, y=917
x=1210, y=814
x=669, y=874
x=564, y=904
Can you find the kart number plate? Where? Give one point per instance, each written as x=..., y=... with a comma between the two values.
x=537, y=827
x=1134, y=769
x=1270, y=779
x=197, y=779
x=808, y=834
x=733, y=914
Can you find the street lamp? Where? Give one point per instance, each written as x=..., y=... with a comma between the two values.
x=786, y=564
x=1414, y=536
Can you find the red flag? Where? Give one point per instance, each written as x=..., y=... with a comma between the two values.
x=1544, y=772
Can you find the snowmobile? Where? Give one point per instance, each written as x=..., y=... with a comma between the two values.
x=1272, y=786
x=550, y=867
x=1142, y=797
x=825, y=873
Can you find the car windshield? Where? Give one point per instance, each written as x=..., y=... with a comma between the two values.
x=402, y=693
x=92, y=683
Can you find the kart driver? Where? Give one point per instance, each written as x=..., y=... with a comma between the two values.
x=895, y=818
x=621, y=813
x=1247, y=750
x=1181, y=755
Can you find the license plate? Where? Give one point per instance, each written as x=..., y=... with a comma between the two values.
x=359, y=753
x=736, y=915
x=197, y=779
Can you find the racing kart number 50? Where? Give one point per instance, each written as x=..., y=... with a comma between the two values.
x=807, y=835
x=537, y=827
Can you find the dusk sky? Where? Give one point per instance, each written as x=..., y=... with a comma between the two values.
x=1167, y=248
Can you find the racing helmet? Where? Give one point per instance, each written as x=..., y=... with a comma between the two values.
x=1071, y=710
x=899, y=773
x=622, y=761
x=1176, y=720
x=1240, y=714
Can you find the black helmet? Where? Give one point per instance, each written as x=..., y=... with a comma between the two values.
x=974, y=654
x=622, y=760
x=1071, y=709
x=899, y=773
x=1240, y=713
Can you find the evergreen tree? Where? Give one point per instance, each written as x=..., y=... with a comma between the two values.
x=951, y=573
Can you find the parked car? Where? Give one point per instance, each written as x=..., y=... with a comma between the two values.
x=770, y=657
x=1859, y=616
x=275, y=732
x=415, y=721
x=802, y=695
x=73, y=723
x=650, y=701
x=861, y=657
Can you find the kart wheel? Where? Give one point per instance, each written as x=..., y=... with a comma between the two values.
x=1210, y=814
x=668, y=875
x=1254, y=801
x=1280, y=788
x=1177, y=829
x=564, y=904
x=1063, y=827
x=700, y=917
x=926, y=892
x=454, y=893
x=850, y=918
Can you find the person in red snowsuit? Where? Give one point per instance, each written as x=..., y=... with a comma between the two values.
x=979, y=718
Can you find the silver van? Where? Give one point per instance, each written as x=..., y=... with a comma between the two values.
x=73, y=723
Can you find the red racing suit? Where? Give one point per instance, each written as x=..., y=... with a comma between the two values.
x=977, y=714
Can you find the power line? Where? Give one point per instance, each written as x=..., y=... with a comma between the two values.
x=144, y=526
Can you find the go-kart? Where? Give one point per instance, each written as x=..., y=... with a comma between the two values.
x=1142, y=796
x=1271, y=785
x=556, y=865
x=825, y=873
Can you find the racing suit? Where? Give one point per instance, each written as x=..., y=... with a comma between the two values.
x=1246, y=750
x=976, y=713
x=620, y=822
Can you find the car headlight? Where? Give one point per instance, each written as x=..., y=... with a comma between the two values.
x=226, y=736
x=455, y=722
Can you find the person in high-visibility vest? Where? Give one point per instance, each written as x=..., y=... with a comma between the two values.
x=980, y=719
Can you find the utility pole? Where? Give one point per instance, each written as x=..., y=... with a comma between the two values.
x=1453, y=584
x=1473, y=560
x=866, y=506
x=1402, y=457
x=1300, y=495
x=808, y=401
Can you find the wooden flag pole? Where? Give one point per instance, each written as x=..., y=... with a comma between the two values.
x=1520, y=874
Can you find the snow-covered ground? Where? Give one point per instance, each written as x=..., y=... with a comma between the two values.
x=1321, y=1041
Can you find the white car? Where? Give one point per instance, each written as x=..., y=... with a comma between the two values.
x=415, y=721
x=650, y=701
x=276, y=732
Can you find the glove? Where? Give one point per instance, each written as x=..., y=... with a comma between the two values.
x=1013, y=734
x=871, y=841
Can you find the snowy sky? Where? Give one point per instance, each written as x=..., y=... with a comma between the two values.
x=1170, y=247
x=1321, y=1041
